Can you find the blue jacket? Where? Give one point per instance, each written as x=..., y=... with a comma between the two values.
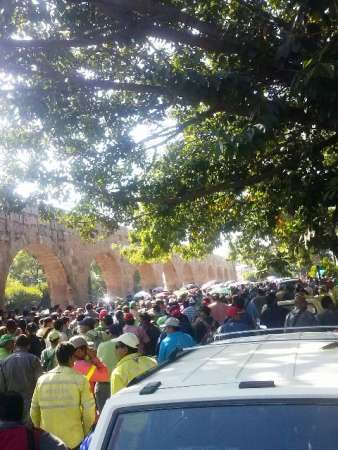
x=232, y=326
x=174, y=341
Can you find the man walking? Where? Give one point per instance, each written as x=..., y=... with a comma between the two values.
x=62, y=403
x=20, y=371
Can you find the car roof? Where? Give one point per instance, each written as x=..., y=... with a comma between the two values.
x=296, y=363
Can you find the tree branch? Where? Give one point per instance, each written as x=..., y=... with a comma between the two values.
x=240, y=182
x=157, y=10
x=204, y=43
x=56, y=44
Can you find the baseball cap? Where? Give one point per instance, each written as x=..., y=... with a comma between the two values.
x=5, y=338
x=172, y=322
x=102, y=314
x=128, y=316
x=175, y=311
x=87, y=322
x=78, y=341
x=129, y=339
x=54, y=335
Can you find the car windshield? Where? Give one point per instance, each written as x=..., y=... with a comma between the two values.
x=254, y=427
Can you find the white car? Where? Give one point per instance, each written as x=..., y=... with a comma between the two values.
x=276, y=392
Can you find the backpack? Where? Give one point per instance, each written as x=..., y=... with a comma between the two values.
x=20, y=438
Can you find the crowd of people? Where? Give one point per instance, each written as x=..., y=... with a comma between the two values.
x=59, y=367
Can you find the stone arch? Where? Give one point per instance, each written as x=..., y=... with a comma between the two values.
x=170, y=277
x=111, y=273
x=60, y=291
x=212, y=272
x=226, y=274
x=148, y=276
x=187, y=274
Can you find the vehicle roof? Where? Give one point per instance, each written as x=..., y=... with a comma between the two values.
x=297, y=363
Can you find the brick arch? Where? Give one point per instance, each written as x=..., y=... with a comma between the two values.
x=149, y=278
x=171, y=279
x=111, y=273
x=212, y=275
x=187, y=274
x=59, y=288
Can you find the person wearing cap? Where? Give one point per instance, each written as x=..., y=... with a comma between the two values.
x=131, y=363
x=101, y=325
x=300, y=316
x=47, y=326
x=88, y=332
x=62, y=403
x=105, y=323
x=87, y=363
x=130, y=327
x=48, y=358
x=175, y=340
x=237, y=319
x=7, y=343
x=190, y=309
x=90, y=312
x=185, y=325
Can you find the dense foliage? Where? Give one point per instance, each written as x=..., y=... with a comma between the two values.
x=27, y=270
x=18, y=295
x=26, y=282
x=97, y=286
x=250, y=86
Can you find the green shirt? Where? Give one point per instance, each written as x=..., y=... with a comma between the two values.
x=107, y=354
x=3, y=353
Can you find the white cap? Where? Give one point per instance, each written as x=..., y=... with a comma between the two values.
x=129, y=339
x=172, y=322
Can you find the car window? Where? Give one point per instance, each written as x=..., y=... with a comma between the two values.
x=260, y=427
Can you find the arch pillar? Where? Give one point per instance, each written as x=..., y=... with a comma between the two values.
x=187, y=274
x=4, y=268
x=60, y=290
x=111, y=273
x=149, y=278
x=170, y=277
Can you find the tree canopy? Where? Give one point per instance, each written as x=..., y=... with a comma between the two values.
x=250, y=87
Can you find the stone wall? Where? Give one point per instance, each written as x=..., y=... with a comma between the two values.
x=66, y=260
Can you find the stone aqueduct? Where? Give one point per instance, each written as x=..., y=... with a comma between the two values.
x=66, y=260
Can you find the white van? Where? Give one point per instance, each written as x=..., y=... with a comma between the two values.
x=269, y=392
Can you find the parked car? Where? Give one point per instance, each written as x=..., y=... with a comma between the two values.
x=276, y=392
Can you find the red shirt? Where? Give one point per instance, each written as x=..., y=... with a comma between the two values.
x=99, y=371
